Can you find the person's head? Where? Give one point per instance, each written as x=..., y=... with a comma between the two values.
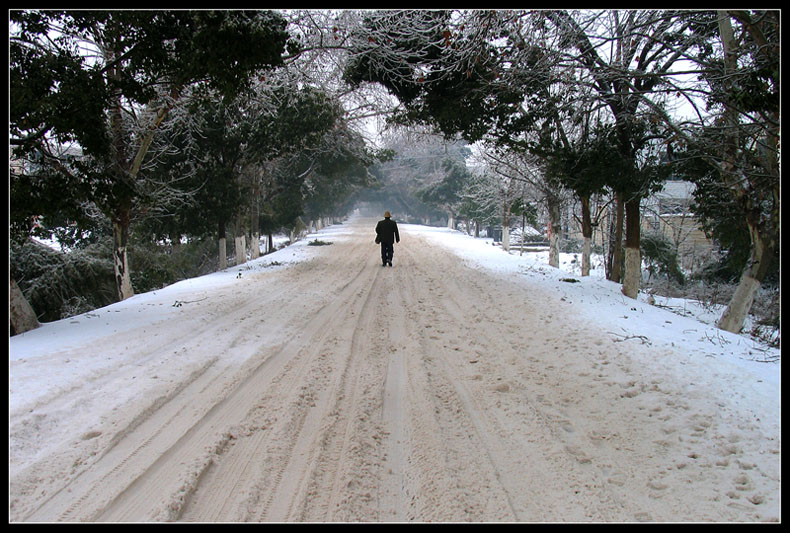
x=387, y=214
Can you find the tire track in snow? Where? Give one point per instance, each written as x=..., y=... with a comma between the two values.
x=300, y=400
x=393, y=496
x=115, y=463
x=464, y=397
x=339, y=468
x=131, y=358
x=101, y=475
x=212, y=436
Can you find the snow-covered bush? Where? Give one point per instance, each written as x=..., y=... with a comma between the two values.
x=57, y=284
x=62, y=284
x=155, y=265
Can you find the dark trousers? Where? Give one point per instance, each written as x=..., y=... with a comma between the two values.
x=387, y=250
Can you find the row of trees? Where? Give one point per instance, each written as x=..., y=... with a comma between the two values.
x=423, y=178
x=177, y=123
x=182, y=114
x=588, y=100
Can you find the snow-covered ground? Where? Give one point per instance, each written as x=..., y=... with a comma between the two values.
x=691, y=324
x=602, y=298
x=44, y=366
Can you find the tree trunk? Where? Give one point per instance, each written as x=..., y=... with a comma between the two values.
x=737, y=310
x=506, y=227
x=21, y=316
x=587, y=234
x=615, y=256
x=754, y=273
x=239, y=242
x=255, y=246
x=175, y=242
x=121, y=211
x=555, y=230
x=223, y=247
x=633, y=259
x=763, y=224
x=255, y=231
x=120, y=233
x=240, y=247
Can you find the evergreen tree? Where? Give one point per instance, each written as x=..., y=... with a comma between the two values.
x=112, y=100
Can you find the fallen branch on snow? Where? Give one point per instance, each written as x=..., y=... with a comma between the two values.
x=179, y=303
x=718, y=340
x=642, y=338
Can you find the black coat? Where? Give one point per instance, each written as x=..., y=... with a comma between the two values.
x=387, y=231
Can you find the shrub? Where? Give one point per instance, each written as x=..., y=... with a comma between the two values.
x=57, y=284
x=660, y=258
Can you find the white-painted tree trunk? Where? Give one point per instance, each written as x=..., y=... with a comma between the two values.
x=241, y=249
x=123, y=278
x=122, y=275
x=633, y=272
x=554, y=249
x=734, y=315
x=255, y=246
x=740, y=304
x=632, y=277
x=586, y=251
x=555, y=231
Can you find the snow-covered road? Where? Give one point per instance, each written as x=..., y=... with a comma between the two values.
x=334, y=389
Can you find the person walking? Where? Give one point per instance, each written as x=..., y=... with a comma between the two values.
x=387, y=234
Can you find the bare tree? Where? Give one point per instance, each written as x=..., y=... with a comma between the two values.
x=519, y=172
